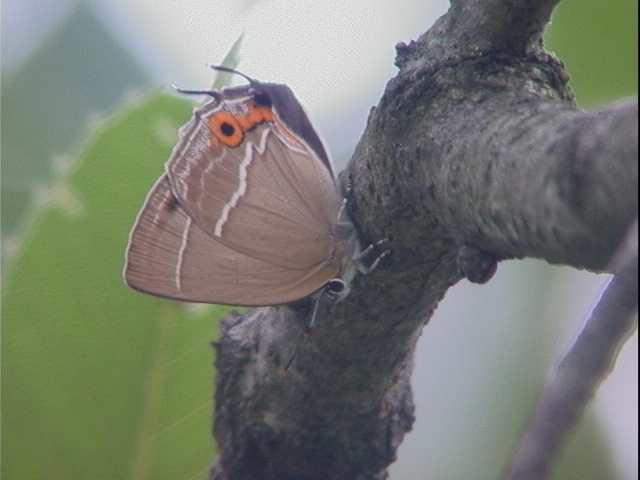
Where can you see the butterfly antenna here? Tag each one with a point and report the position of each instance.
(212, 93)
(307, 330)
(222, 68)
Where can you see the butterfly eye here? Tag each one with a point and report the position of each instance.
(337, 286)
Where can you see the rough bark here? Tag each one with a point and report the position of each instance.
(476, 141)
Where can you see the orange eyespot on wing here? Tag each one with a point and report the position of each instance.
(229, 129)
(226, 129)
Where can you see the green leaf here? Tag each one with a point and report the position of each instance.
(100, 381)
(231, 60)
(81, 70)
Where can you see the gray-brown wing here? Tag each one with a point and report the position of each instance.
(269, 198)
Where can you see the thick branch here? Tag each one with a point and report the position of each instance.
(504, 162)
(474, 142)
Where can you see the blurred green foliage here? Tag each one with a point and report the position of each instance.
(598, 43)
(47, 109)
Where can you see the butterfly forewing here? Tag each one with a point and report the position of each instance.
(266, 198)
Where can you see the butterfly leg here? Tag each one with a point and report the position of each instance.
(325, 296)
(359, 258)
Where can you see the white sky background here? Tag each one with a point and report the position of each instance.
(320, 48)
(337, 56)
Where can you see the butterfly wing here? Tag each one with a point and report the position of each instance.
(169, 255)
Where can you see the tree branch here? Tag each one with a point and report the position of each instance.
(476, 142)
(585, 365)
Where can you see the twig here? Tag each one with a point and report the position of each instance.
(585, 365)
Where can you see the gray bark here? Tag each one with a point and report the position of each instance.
(477, 141)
